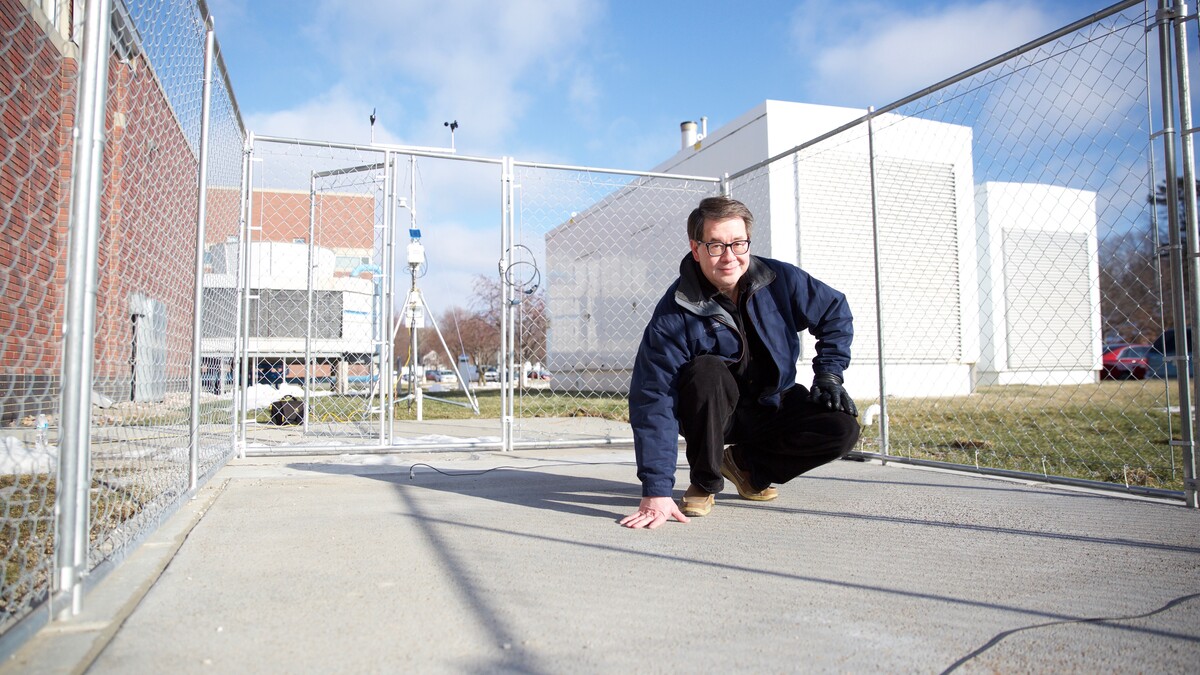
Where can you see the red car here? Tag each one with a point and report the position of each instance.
(1125, 362)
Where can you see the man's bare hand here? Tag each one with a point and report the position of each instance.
(652, 512)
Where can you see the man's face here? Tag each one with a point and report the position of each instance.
(724, 270)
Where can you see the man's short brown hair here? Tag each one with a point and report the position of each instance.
(717, 208)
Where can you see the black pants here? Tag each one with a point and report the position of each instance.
(776, 445)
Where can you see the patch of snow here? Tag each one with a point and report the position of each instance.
(16, 458)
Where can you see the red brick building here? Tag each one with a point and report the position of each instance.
(37, 78)
(148, 217)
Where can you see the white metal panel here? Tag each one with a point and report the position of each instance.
(1047, 293)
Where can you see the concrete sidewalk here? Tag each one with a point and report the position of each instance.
(515, 563)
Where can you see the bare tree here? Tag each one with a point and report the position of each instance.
(1133, 285)
(532, 319)
(475, 337)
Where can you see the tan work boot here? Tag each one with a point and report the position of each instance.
(696, 502)
(741, 479)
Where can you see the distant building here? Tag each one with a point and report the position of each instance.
(814, 210)
(340, 335)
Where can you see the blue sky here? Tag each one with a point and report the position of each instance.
(591, 82)
(602, 83)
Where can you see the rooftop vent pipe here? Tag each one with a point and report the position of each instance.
(688, 130)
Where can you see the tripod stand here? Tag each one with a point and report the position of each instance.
(415, 311)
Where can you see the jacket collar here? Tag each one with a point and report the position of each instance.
(698, 296)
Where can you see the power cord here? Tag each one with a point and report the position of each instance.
(996, 640)
(528, 283)
(455, 474)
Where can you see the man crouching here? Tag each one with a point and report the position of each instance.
(717, 365)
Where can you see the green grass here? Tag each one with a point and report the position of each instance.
(1112, 431)
(530, 403)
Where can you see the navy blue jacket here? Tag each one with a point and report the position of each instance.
(783, 300)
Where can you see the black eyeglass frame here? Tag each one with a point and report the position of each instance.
(720, 246)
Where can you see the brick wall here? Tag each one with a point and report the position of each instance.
(36, 113)
(344, 220)
(148, 232)
(148, 216)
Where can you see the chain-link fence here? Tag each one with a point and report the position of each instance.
(1002, 238)
(998, 242)
(371, 279)
(145, 441)
(592, 253)
(334, 229)
(38, 83)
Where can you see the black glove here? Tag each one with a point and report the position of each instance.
(827, 390)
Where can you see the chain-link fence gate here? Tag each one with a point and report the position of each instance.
(337, 312)
(997, 238)
(344, 243)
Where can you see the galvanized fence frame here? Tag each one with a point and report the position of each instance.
(888, 167)
(155, 165)
(527, 402)
(119, 470)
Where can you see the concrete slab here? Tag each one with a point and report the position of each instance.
(489, 562)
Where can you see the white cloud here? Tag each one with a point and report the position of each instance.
(335, 115)
(457, 253)
(883, 53)
(471, 60)
(584, 94)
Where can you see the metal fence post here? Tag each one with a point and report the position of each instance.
(310, 306)
(883, 407)
(1193, 231)
(238, 390)
(387, 387)
(244, 287)
(79, 329)
(506, 357)
(1175, 249)
(198, 298)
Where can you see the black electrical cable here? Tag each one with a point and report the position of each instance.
(1104, 619)
(527, 286)
(455, 474)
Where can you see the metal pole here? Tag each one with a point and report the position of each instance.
(1193, 232)
(392, 324)
(247, 268)
(198, 298)
(414, 355)
(309, 309)
(883, 412)
(79, 323)
(386, 263)
(239, 385)
(1175, 248)
(506, 392)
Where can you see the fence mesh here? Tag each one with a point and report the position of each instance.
(347, 323)
(1010, 219)
(593, 253)
(139, 434)
(317, 278)
(999, 239)
(38, 85)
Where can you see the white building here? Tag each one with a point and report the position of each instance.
(344, 323)
(814, 209)
(1039, 284)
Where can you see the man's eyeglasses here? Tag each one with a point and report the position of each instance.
(717, 248)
